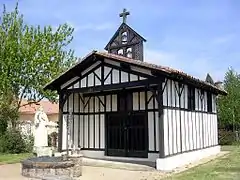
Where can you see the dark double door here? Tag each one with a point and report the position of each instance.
(127, 133)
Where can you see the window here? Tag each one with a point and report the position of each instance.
(209, 102)
(124, 38)
(191, 98)
(129, 52)
(120, 52)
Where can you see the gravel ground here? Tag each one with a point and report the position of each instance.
(13, 172)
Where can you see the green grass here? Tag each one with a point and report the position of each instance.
(226, 167)
(13, 158)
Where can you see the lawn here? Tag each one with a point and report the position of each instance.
(226, 167)
(13, 158)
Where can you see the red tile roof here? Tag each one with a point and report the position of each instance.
(167, 70)
(48, 107)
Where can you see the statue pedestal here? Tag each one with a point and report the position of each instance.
(43, 151)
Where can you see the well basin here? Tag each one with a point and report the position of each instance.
(39, 167)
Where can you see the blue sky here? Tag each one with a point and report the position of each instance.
(198, 37)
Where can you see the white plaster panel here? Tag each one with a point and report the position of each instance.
(183, 131)
(182, 99)
(190, 131)
(65, 106)
(173, 94)
(64, 132)
(86, 101)
(102, 133)
(98, 72)
(101, 106)
(83, 82)
(76, 85)
(133, 77)
(157, 131)
(135, 101)
(81, 104)
(115, 76)
(90, 80)
(165, 93)
(150, 104)
(171, 144)
(178, 130)
(186, 96)
(114, 102)
(91, 129)
(97, 81)
(81, 131)
(186, 130)
(91, 104)
(141, 70)
(150, 131)
(142, 101)
(169, 97)
(166, 138)
(142, 78)
(106, 71)
(108, 80)
(108, 103)
(96, 131)
(70, 103)
(174, 127)
(76, 120)
(197, 130)
(194, 130)
(124, 77)
(176, 90)
(86, 124)
(76, 102)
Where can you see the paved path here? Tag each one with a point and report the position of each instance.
(13, 172)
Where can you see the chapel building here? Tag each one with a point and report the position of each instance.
(123, 107)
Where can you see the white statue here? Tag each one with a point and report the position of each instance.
(41, 133)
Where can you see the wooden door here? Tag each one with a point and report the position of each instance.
(126, 134)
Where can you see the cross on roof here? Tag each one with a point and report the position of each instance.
(124, 15)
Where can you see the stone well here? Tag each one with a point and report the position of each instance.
(39, 167)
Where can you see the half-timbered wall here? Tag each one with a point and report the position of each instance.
(88, 121)
(186, 129)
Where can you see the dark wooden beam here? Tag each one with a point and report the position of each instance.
(60, 122)
(127, 69)
(160, 118)
(111, 87)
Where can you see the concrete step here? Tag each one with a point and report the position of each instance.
(119, 164)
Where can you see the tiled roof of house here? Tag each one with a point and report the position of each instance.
(48, 107)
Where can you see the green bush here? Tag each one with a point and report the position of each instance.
(226, 137)
(12, 142)
(29, 142)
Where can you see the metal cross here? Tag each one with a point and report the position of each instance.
(124, 15)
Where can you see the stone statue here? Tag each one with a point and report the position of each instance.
(41, 133)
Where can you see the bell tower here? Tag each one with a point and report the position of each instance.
(126, 42)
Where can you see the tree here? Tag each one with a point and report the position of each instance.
(30, 57)
(228, 106)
